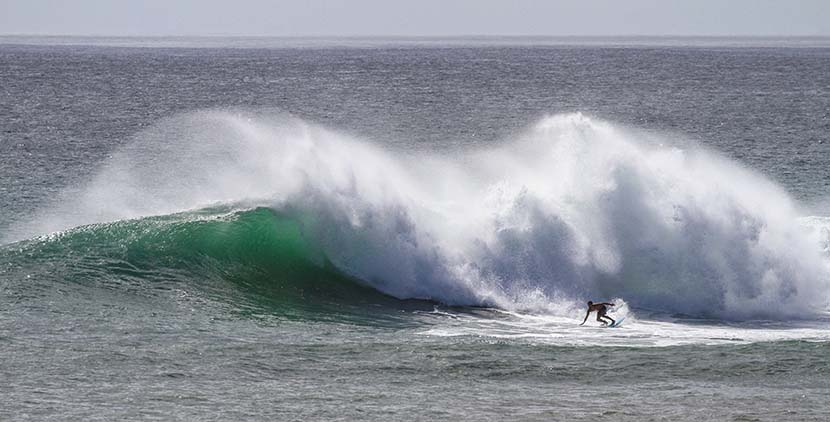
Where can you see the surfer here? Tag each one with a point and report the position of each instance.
(602, 309)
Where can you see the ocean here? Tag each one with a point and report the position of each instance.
(409, 229)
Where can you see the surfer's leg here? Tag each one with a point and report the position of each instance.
(599, 318)
(612, 319)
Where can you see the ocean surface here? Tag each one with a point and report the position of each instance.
(409, 229)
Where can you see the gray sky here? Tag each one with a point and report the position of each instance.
(415, 17)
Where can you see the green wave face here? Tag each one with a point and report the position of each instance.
(251, 259)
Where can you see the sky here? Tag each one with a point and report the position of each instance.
(415, 17)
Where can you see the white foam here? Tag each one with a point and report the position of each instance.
(633, 332)
(574, 209)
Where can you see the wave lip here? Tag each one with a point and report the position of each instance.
(574, 209)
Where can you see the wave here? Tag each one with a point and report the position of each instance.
(574, 209)
(252, 259)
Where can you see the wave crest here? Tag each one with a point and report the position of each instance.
(574, 209)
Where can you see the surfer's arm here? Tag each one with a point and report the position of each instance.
(586, 317)
(606, 303)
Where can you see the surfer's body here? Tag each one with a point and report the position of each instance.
(601, 310)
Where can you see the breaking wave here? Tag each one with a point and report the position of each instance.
(575, 208)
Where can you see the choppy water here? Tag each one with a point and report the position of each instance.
(408, 229)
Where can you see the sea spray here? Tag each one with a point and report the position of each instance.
(575, 208)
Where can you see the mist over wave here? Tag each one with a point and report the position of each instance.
(574, 209)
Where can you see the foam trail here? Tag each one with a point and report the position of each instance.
(576, 208)
(563, 331)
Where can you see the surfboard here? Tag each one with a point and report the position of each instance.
(617, 323)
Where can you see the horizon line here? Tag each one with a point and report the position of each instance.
(437, 36)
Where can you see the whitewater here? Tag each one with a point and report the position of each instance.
(573, 208)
